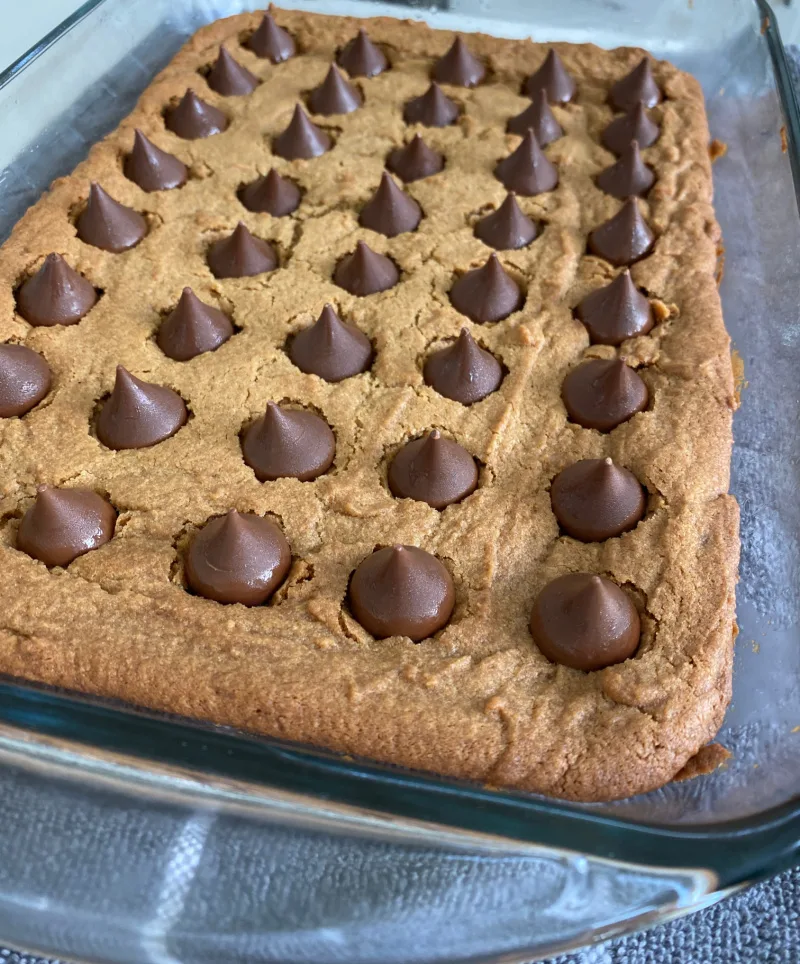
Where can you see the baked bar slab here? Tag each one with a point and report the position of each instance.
(477, 701)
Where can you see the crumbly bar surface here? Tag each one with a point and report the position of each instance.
(478, 700)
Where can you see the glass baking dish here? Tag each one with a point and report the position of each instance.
(128, 837)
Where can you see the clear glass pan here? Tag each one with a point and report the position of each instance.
(129, 837)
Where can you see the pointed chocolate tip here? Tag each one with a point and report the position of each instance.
(594, 500)
(192, 118)
(271, 42)
(241, 255)
(302, 139)
(458, 66)
(365, 272)
(238, 558)
(390, 211)
(415, 161)
(335, 95)
(506, 228)
(602, 394)
(361, 58)
(25, 379)
(527, 170)
(288, 443)
(109, 225)
(330, 348)
(193, 328)
(487, 293)
(585, 621)
(63, 524)
(636, 87)
(151, 168)
(553, 78)
(629, 176)
(615, 312)
(431, 109)
(401, 591)
(55, 295)
(624, 238)
(139, 414)
(229, 78)
(537, 117)
(636, 125)
(271, 194)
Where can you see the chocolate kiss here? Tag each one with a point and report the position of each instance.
(616, 312)
(595, 500)
(365, 272)
(602, 394)
(433, 108)
(63, 524)
(55, 295)
(238, 558)
(192, 118)
(241, 255)
(552, 76)
(229, 78)
(507, 227)
(302, 138)
(271, 194)
(463, 371)
(459, 67)
(109, 225)
(151, 168)
(25, 379)
(634, 126)
(287, 443)
(624, 238)
(486, 293)
(630, 176)
(193, 328)
(585, 621)
(415, 160)
(138, 414)
(637, 87)
(271, 41)
(433, 469)
(539, 118)
(401, 591)
(527, 170)
(361, 58)
(330, 348)
(335, 95)
(390, 210)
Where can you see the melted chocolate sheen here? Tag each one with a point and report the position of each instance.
(153, 169)
(238, 558)
(193, 328)
(585, 621)
(139, 414)
(25, 379)
(55, 295)
(602, 394)
(401, 591)
(330, 348)
(63, 524)
(288, 443)
(487, 293)
(433, 469)
(365, 272)
(463, 371)
(594, 499)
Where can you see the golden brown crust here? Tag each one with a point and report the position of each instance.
(479, 701)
